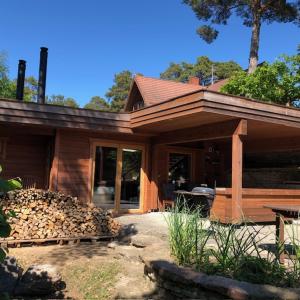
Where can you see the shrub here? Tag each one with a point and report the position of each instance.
(6, 186)
(278, 82)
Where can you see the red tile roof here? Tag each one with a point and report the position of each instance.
(155, 90)
(217, 86)
(158, 90)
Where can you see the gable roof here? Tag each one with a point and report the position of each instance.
(216, 87)
(154, 91)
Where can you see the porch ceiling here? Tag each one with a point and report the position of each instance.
(263, 130)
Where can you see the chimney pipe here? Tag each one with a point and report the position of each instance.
(21, 80)
(42, 75)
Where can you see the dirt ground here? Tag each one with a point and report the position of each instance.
(120, 263)
(116, 267)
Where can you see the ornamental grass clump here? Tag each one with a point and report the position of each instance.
(187, 234)
(234, 251)
(294, 254)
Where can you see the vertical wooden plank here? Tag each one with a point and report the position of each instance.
(237, 171)
(47, 164)
(118, 180)
(146, 200)
(54, 172)
(154, 177)
(91, 171)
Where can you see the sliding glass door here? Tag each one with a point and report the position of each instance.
(117, 177)
(105, 177)
(131, 178)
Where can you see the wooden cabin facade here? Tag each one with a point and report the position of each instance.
(170, 133)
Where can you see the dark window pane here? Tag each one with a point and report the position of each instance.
(131, 175)
(180, 170)
(105, 176)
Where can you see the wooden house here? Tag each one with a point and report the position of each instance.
(169, 133)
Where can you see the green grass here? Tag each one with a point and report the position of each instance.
(92, 281)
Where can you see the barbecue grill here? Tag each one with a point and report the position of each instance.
(204, 197)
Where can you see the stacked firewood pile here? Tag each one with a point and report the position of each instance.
(44, 215)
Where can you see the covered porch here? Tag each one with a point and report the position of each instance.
(250, 160)
(246, 171)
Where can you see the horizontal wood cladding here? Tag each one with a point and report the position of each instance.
(27, 157)
(62, 117)
(178, 108)
(73, 170)
(220, 209)
(215, 103)
(253, 202)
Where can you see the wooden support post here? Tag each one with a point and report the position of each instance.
(154, 178)
(237, 171)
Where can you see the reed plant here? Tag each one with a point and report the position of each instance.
(294, 253)
(187, 233)
(233, 251)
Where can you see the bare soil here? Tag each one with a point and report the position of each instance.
(106, 270)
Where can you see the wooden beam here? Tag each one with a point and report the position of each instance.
(241, 128)
(237, 171)
(205, 132)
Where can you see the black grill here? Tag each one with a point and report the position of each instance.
(204, 201)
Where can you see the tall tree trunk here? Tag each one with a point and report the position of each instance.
(253, 58)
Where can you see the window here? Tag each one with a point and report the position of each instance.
(138, 105)
(180, 170)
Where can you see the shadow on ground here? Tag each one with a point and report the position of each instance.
(270, 247)
(59, 255)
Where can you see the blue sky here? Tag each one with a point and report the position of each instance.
(91, 40)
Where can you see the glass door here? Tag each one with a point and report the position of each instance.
(131, 178)
(105, 177)
(117, 177)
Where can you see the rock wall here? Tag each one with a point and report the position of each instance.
(184, 283)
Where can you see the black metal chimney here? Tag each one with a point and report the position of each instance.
(42, 75)
(21, 80)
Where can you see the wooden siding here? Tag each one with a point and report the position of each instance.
(46, 115)
(253, 201)
(27, 157)
(72, 169)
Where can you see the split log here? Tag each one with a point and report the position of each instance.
(45, 214)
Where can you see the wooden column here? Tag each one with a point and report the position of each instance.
(53, 180)
(237, 171)
(154, 177)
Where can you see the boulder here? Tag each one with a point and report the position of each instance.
(10, 272)
(40, 280)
